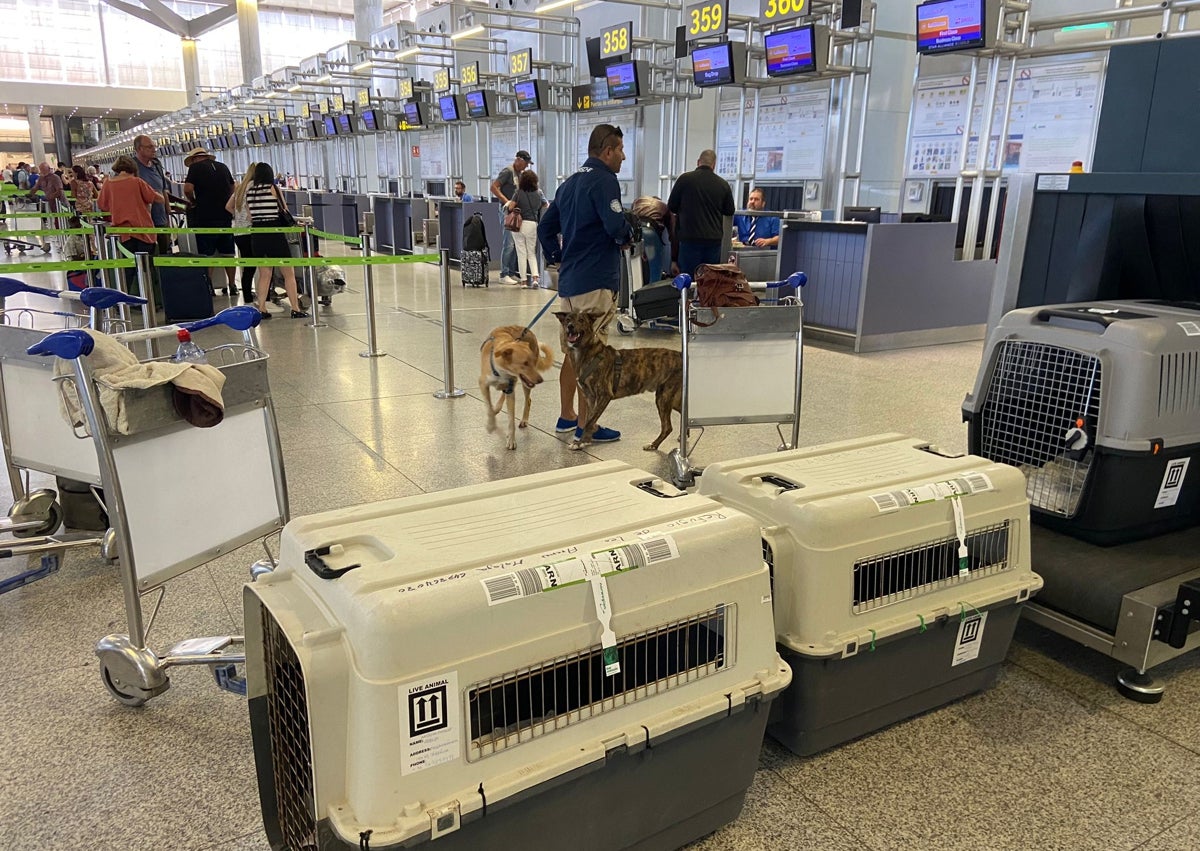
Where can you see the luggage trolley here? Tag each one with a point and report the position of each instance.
(766, 341)
(33, 433)
(155, 474)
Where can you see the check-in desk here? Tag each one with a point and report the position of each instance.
(453, 214)
(381, 206)
(759, 264)
(353, 206)
(886, 286)
(321, 203)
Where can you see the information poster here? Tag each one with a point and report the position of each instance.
(626, 119)
(433, 155)
(789, 140)
(504, 147)
(1052, 119)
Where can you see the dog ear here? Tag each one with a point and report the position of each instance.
(560, 316)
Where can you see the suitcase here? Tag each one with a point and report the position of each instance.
(657, 301)
(473, 266)
(423, 676)
(186, 292)
(878, 612)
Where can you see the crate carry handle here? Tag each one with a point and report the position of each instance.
(1104, 319)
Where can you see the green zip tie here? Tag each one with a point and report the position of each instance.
(64, 266)
(962, 611)
(872, 647)
(923, 628)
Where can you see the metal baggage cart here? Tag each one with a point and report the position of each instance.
(171, 509)
(766, 342)
(32, 432)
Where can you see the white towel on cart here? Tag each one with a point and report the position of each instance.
(197, 387)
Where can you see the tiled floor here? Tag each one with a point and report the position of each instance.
(1050, 758)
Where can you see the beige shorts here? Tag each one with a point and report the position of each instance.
(602, 303)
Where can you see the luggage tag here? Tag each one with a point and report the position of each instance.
(960, 529)
(608, 639)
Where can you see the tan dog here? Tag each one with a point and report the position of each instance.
(605, 374)
(509, 355)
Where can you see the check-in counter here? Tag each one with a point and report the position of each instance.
(381, 206)
(353, 206)
(759, 264)
(886, 286)
(453, 214)
(402, 225)
(321, 205)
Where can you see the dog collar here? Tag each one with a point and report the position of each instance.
(506, 389)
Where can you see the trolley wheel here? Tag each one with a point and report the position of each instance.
(108, 546)
(1142, 688)
(626, 324)
(46, 249)
(115, 686)
(39, 505)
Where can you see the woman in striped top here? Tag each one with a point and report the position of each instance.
(265, 203)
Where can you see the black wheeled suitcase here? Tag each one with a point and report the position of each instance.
(657, 301)
(473, 265)
(186, 292)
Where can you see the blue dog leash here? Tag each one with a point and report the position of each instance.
(540, 314)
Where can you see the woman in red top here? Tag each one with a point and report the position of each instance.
(127, 198)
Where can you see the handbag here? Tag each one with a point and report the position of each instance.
(286, 219)
(513, 219)
(722, 285)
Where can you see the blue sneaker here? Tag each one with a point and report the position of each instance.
(602, 435)
(564, 426)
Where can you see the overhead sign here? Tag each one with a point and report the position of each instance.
(772, 11)
(323, 106)
(305, 110)
(441, 80)
(705, 19)
(339, 103)
(616, 40)
(521, 62)
(468, 75)
(363, 97)
(280, 115)
(405, 89)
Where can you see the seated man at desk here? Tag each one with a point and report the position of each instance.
(757, 231)
(460, 191)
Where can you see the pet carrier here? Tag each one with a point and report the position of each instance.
(1099, 405)
(492, 669)
(898, 576)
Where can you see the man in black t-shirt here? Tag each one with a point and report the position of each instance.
(207, 187)
(699, 203)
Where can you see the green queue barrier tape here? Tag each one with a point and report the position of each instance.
(234, 231)
(349, 240)
(64, 266)
(125, 251)
(17, 234)
(255, 262)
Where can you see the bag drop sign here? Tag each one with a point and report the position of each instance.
(429, 722)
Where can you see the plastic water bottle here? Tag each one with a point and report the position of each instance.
(188, 352)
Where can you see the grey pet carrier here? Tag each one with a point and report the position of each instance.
(1099, 405)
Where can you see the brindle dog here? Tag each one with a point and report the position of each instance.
(605, 374)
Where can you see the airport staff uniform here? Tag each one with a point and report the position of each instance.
(750, 228)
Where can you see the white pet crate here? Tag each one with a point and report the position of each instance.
(1099, 405)
(578, 659)
(880, 612)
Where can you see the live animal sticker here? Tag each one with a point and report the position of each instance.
(970, 638)
(429, 722)
(1172, 483)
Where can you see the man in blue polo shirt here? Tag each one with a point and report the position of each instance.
(588, 216)
(757, 231)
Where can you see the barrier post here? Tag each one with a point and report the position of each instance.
(448, 391)
(366, 227)
(144, 265)
(310, 272)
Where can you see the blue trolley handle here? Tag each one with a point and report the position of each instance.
(102, 298)
(795, 280)
(11, 286)
(241, 318)
(68, 345)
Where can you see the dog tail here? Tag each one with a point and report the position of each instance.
(547, 357)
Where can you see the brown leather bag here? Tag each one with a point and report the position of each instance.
(722, 285)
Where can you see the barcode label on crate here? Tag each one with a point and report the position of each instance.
(965, 485)
(1192, 329)
(529, 581)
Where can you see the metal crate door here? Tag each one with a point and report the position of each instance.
(1038, 393)
(743, 368)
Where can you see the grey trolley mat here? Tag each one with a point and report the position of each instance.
(1089, 582)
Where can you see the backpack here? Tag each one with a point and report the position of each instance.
(474, 234)
(722, 285)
